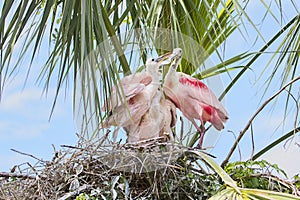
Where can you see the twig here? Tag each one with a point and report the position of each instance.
(26, 154)
(296, 117)
(72, 147)
(242, 133)
(181, 130)
(238, 146)
(252, 142)
(15, 175)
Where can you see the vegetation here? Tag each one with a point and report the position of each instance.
(95, 43)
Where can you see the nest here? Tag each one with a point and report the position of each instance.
(152, 169)
(156, 171)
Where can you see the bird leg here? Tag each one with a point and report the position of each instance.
(201, 131)
(199, 146)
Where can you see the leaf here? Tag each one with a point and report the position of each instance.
(264, 48)
(78, 169)
(74, 185)
(226, 194)
(113, 185)
(224, 176)
(267, 194)
(251, 194)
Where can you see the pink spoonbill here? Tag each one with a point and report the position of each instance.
(193, 98)
(133, 96)
(156, 122)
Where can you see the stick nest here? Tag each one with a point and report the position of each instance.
(159, 171)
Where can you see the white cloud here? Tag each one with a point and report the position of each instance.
(287, 157)
(21, 129)
(24, 112)
(18, 101)
(268, 124)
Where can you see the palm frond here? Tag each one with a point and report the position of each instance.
(251, 194)
(291, 23)
(276, 142)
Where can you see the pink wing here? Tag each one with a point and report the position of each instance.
(141, 77)
(199, 91)
(131, 85)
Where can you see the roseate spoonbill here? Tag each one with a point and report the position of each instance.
(169, 111)
(157, 121)
(138, 91)
(193, 98)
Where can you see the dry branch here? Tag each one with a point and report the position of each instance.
(81, 169)
(15, 175)
(242, 133)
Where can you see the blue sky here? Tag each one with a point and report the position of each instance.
(24, 111)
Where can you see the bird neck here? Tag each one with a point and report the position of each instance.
(155, 74)
(171, 74)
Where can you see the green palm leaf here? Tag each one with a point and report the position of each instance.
(91, 29)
